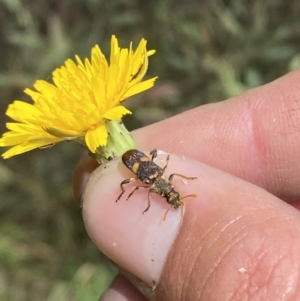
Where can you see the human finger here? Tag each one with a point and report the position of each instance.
(122, 289)
(235, 240)
(254, 136)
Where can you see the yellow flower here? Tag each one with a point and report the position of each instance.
(83, 103)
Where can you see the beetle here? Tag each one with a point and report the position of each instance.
(149, 173)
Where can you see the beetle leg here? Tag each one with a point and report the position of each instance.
(154, 154)
(134, 190)
(149, 199)
(127, 181)
(182, 176)
(167, 162)
(165, 215)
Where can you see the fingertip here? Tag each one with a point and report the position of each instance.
(122, 289)
(81, 175)
(137, 242)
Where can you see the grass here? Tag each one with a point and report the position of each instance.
(207, 51)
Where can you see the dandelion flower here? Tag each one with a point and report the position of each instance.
(83, 103)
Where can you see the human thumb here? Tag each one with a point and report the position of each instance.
(234, 241)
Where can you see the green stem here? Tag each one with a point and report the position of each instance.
(118, 142)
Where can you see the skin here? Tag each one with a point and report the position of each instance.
(241, 239)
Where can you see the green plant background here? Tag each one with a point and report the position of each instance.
(207, 51)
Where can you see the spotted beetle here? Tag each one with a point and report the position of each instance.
(149, 173)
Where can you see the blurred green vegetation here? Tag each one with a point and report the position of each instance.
(207, 51)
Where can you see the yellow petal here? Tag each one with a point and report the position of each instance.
(140, 87)
(62, 133)
(96, 137)
(116, 113)
(25, 147)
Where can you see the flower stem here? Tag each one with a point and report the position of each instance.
(119, 140)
